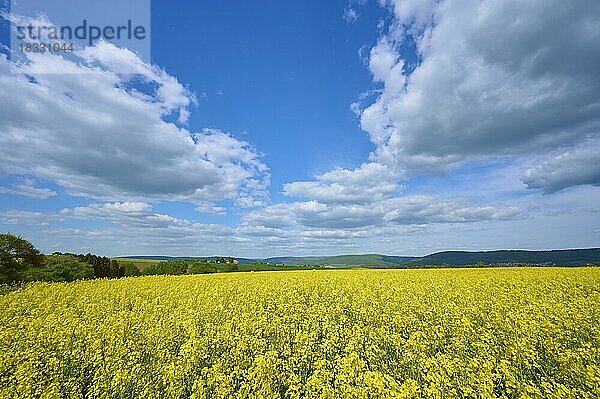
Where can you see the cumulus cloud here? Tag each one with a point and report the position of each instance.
(127, 216)
(110, 210)
(414, 14)
(407, 210)
(571, 167)
(137, 225)
(335, 234)
(262, 231)
(422, 209)
(370, 182)
(494, 78)
(171, 94)
(95, 132)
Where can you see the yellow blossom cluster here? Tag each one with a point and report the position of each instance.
(468, 333)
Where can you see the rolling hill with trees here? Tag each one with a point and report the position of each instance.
(566, 257)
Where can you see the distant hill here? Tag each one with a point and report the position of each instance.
(374, 260)
(567, 257)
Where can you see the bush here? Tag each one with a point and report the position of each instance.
(172, 267)
(231, 267)
(130, 269)
(200, 268)
(61, 268)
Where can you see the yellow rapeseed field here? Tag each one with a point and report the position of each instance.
(507, 333)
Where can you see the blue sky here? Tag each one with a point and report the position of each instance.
(287, 71)
(303, 128)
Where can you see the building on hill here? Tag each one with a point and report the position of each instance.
(225, 260)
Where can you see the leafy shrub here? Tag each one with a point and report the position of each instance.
(130, 269)
(231, 267)
(172, 267)
(61, 268)
(200, 268)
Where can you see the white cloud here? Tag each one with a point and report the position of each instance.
(416, 14)
(335, 234)
(135, 228)
(27, 187)
(262, 231)
(25, 218)
(494, 78)
(139, 215)
(170, 93)
(110, 210)
(210, 208)
(350, 15)
(422, 209)
(407, 210)
(89, 130)
(386, 66)
(132, 226)
(370, 182)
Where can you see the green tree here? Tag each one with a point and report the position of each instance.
(201, 267)
(231, 267)
(130, 269)
(16, 256)
(172, 267)
(103, 266)
(61, 268)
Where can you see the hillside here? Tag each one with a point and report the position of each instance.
(344, 260)
(568, 257)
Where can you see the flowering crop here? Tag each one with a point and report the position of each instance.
(478, 333)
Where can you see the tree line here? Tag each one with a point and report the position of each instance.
(21, 262)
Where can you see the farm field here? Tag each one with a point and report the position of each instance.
(141, 264)
(137, 261)
(453, 333)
